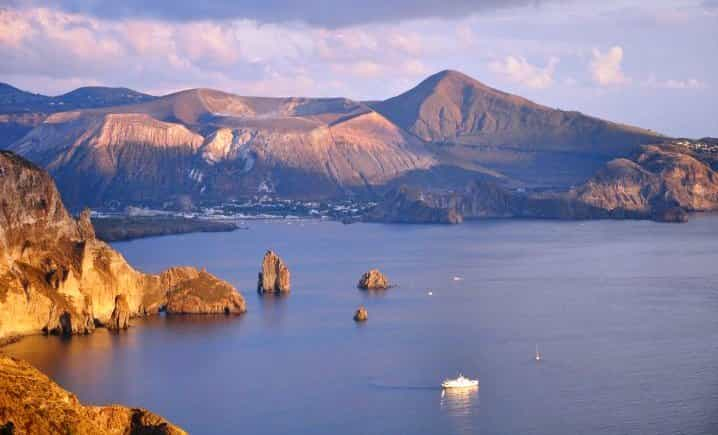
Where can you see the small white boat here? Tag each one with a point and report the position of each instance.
(458, 278)
(460, 382)
(538, 355)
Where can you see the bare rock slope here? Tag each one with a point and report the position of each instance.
(31, 403)
(55, 276)
(208, 144)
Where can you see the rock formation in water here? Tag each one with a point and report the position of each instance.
(31, 403)
(373, 280)
(120, 318)
(361, 314)
(274, 276)
(204, 294)
(55, 276)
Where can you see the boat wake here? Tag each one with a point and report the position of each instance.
(384, 386)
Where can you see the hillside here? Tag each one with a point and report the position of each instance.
(466, 121)
(21, 111)
(210, 145)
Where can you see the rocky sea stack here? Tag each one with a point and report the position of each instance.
(373, 280)
(274, 276)
(361, 314)
(120, 318)
(31, 403)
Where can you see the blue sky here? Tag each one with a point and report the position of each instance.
(648, 63)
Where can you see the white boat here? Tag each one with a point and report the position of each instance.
(460, 382)
(538, 355)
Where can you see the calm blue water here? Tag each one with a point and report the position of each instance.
(625, 314)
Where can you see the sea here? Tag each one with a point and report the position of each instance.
(623, 313)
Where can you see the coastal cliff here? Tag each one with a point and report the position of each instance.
(661, 183)
(31, 403)
(56, 277)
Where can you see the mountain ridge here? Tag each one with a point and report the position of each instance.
(231, 146)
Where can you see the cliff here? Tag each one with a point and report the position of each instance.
(56, 277)
(31, 403)
(656, 182)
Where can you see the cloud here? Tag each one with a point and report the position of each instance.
(691, 83)
(606, 68)
(50, 49)
(519, 70)
(324, 13)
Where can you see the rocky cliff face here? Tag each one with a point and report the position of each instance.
(410, 205)
(31, 403)
(656, 179)
(55, 276)
(274, 276)
(657, 182)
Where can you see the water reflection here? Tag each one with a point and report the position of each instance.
(461, 405)
(274, 305)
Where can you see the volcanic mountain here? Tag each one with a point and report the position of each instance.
(469, 123)
(20, 111)
(210, 145)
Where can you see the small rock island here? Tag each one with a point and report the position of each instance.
(361, 314)
(274, 276)
(373, 280)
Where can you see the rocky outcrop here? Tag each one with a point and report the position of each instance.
(204, 294)
(373, 280)
(658, 182)
(274, 276)
(653, 182)
(111, 229)
(408, 205)
(84, 225)
(31, 403)
(120, 318)
(361, 314)
(55, 276)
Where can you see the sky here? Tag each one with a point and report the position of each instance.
(645, 63)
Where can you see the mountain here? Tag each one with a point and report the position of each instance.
(99, 96)
(467, 121)
(12, 97)
(21, 111)
(14, 100)
(209, 145)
